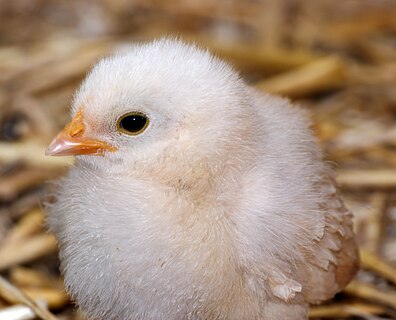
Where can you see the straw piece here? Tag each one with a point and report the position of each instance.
(324, 73)
(345, 310)
(261, 58)
(372, 178)
(375, 222)
(255, 57)
(26, 251)
(369, 292)
(26, 277)
(360, 25)
(13, 185)
(26, 202)
(55, 298)
(18, 312)
(376, 264)
(32, 154)
(63, 72)
(13, 294)
(30, 223)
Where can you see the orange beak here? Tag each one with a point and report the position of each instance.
(71, 141)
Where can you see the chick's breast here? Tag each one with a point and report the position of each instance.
(148, 254)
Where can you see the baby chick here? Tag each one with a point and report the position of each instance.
(194, 196)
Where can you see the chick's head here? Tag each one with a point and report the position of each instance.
(158, 109)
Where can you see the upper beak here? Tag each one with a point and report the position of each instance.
(71, 141)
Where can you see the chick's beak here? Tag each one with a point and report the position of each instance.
(71, 141)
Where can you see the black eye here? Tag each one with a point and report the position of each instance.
(132, 123)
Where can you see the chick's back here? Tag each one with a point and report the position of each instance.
(295, 229)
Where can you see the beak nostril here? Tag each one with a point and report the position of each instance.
(76, 128)
(76, 132)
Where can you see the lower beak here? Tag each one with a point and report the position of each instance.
(65, 146)
(71, 141)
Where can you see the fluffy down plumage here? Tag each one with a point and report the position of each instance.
(221, 209)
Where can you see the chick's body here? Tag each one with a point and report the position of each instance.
(221, 209)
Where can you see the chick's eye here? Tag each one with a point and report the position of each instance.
(132, 123)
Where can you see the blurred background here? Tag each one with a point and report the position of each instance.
(336, 58)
